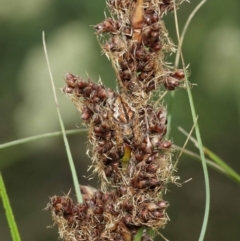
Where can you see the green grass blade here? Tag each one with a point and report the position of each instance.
(194, 116)
(9, 214)
(180, 40)
(230, 172)
(204, 165)
(211, 164)
(217, 160)
(38, 137)
(70, 159)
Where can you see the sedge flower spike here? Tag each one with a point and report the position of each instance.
(126, 129)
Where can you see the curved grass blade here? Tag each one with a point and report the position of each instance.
(194, 115)
(210, 163)
(230, 172)
(218, 161)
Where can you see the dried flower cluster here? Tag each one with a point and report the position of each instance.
(126, 129)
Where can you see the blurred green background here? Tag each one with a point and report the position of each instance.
(37, 170)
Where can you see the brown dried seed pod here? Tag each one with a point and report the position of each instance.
(166, 144)
(143, 76)
(162, 204)
(140, 184)
(123, 64)
(104, 126)
(87, 91)
(148, 67)
(107, 25)
(139, 155)
(155, 47)
(154, 183)
(162, 116)
(171, 83)
(70, 80)
(126, 75)
(81, 84)
(98, 210)
(102, 93)
(95, 99)
(157, 214)
(154, 18)
(131, 86)
(86, 113)
(147, 19)
(58, 208)
(151, 86)
(98, 130)
(154, 35)
(157, 128)
(152, 168)
(67, 90)
(179, 74)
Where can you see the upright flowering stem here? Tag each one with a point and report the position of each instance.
(126, 129)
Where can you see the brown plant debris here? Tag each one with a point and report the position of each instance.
(126, 129)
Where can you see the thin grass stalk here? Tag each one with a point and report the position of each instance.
(197, 130)
(204, 165)
(230, 172)
(218, 161)
(233, 176)
(70, 159)
(38, 137)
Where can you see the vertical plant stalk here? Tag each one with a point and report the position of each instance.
(193, 111)
(9, 214)
(70, 159)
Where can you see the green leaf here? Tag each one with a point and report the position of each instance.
(9, 214)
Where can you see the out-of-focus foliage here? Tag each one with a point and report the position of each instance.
(35, 171)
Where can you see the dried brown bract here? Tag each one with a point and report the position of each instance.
(126, 130)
